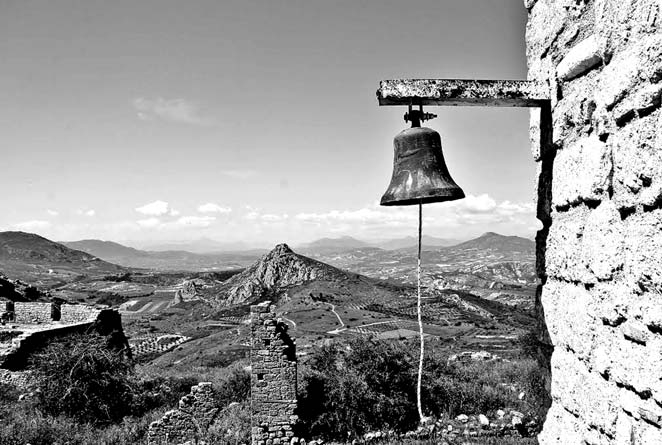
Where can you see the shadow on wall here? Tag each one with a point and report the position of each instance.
(546, 153)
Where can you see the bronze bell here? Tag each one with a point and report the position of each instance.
(420, 175)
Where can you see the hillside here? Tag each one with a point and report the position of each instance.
(332, 245)
(40, 261)
(283, 272)
(411, 242)
(106, 250)
(322, 302)
(497, 242)
(168, 260)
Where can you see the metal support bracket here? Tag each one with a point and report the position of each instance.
(454, 92)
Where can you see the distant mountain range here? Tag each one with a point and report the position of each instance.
(24, 255)
(201, 245)
(346, 243)
(166, 259)
(495, 241)
(38, 260)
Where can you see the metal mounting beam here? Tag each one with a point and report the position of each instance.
(453, 92)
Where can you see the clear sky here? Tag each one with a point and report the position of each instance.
(249, 120)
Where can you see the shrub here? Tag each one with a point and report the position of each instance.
(232, 426)
(348, 392)
(345, 391)
(236, 387)
(81, 377)
(160, 392)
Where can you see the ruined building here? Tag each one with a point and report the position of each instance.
(273, 378)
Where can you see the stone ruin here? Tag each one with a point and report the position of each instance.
(25, 325)
(40, 313)
(189, 422)
(273, 392)
(273, 378)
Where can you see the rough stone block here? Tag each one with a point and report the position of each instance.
(566, 304)
(583, 393)
(581, 58)
(561, 427)
(546, 22)
(641, 62)
(637, 152)
(573, 115)
(564, 259)
(643, 244)
(638, 104)
(628, 364)
(581, 172)
(603, 243)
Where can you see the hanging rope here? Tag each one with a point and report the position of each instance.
(420, 321)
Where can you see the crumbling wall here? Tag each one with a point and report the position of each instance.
(77, 313)
(599, 152)
(189, 422)
(42, 312)
(273, 378)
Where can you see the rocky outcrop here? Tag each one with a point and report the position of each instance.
(16, 290)
(188, 292)
(275, 272)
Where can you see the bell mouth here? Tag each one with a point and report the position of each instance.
(439, 195)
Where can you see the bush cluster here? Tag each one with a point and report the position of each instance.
(366, 385)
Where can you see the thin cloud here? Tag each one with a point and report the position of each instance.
(270, 217)
(90, 212)
(179, 111)
(157, 208)
(240, 173)
(33, 225)
(211, 207)
(149, 223)
(195, 221)
(179, 223)
(473, 210)
(52, 212)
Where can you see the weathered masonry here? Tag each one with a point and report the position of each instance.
(273, 378)
(190, 421)
(602, 264)
(595, 71)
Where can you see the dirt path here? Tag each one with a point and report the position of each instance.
(342, 323)
(294, 324)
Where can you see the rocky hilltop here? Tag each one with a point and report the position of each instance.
(279, 269)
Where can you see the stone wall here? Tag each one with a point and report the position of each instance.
(77, 313)
(33, 312)
(42, 312)
(273, 378)
(599, 154)
(189, 422)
